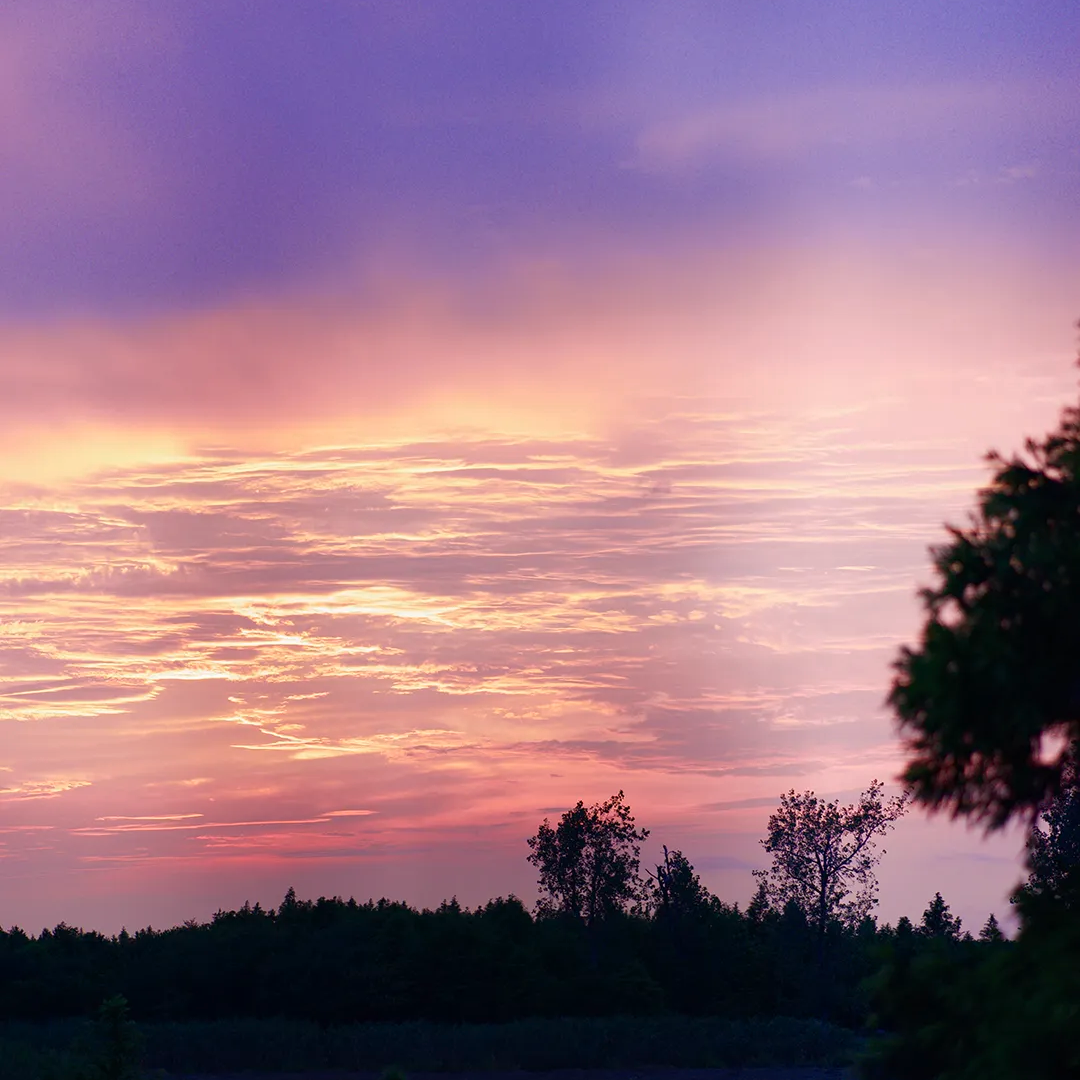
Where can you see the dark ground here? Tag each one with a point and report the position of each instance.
(561, 1074)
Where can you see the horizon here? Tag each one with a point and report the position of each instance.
(415, 421)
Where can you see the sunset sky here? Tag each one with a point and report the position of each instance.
(416, 417)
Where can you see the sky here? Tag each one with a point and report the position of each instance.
(417, 417)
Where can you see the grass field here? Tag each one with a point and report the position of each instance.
(63, 1050)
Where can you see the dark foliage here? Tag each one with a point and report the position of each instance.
(605, 945)
(589, 862)
(676, 891)
(334, 961)
(996, 672)
(939, 922)
(990, 704)
(823, 854)
(1053, 846)
(994, 1010)
(347, 982)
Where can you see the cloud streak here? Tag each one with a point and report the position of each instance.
(235, 646)
(411, 422)
(785, 126)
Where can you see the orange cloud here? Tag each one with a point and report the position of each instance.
(669, 543)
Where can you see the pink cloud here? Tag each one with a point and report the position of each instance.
(541, 353)
(331, 629)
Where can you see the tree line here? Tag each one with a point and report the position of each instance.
(988, 705)
(604, 939)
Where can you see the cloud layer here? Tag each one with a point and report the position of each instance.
(366, 656)
(414, 419)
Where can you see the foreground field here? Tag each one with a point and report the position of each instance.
(611, 1048)
(559, 1074)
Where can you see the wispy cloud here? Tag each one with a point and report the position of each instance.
(41, 789)
(710, 598)
(481, 436)
(784, 126)
(1005, 176)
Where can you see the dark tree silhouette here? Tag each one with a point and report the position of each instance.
(991, 931)
(589, 863)
(996, 671)
(824, 854)
(939, 922)
(676, 889)
(1053, 851)
(758, 907)
(989, 703)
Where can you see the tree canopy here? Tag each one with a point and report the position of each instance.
(1053, 845)
(938, 921)
(991, 931)
(824, 854)
(989, 703)
(676, 888)
(589, 863)
(990, 699)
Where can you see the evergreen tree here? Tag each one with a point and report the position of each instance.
(939, 922)
(989, 702)
(996, 669)
(758, 907)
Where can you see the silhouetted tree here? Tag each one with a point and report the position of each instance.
(991, 931)
(758, 907)
(334, 962)
(824, 854)
(1053, 851)
(939, 922)
(996, 669)
(989, 703)
(676, 890)
(589, 863)
(118, 1043)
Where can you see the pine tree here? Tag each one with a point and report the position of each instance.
(758, 907)
(939, 922)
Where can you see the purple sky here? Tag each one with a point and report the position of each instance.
(451, 411)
